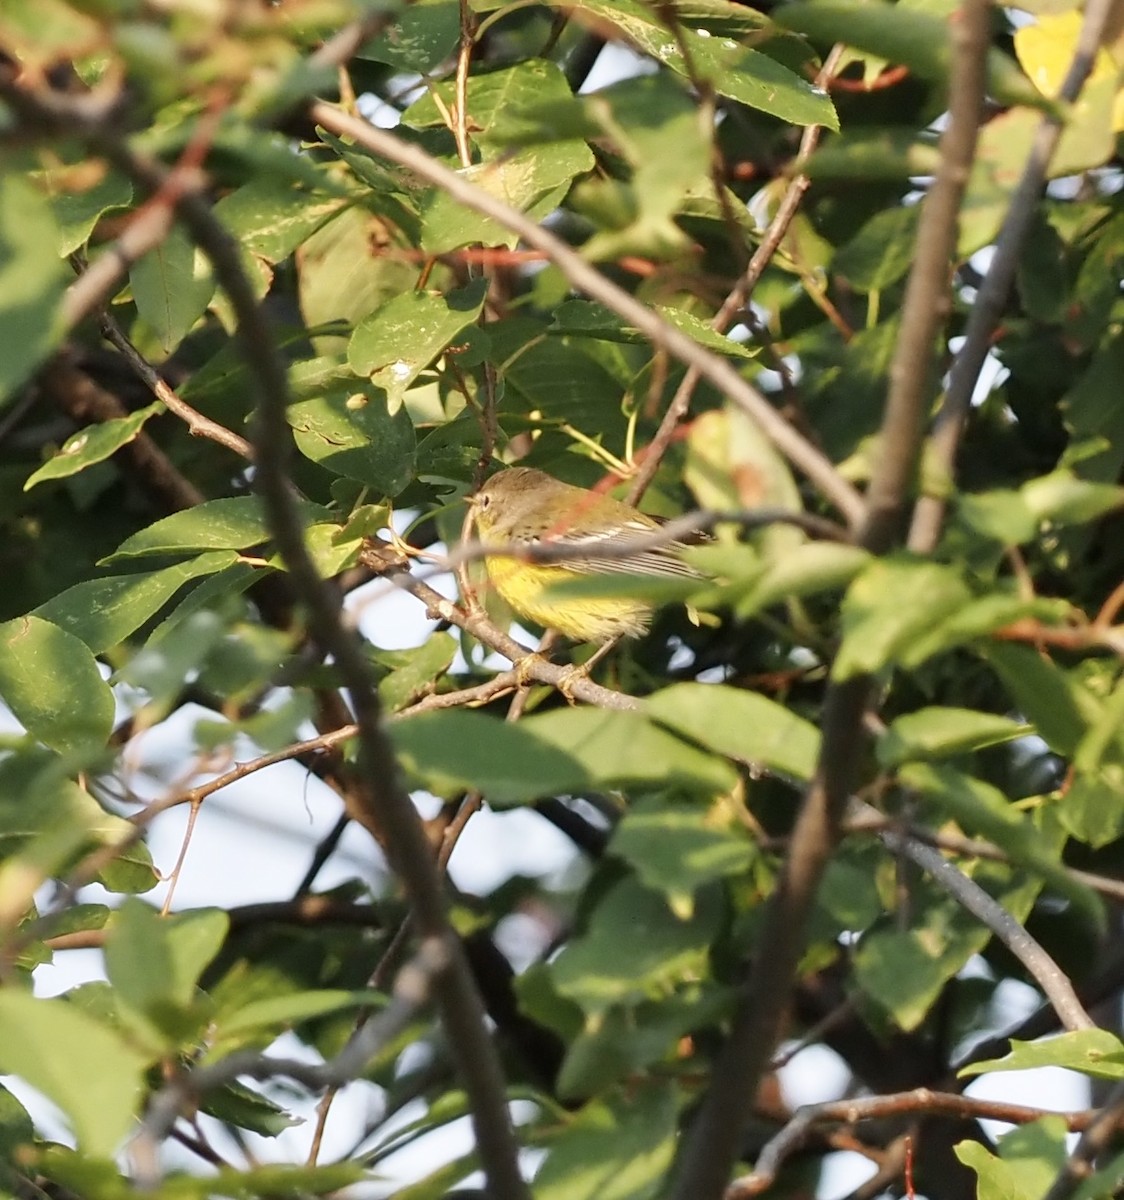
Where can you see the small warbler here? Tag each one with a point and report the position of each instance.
(521, 507)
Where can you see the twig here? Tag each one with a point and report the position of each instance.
(556, 549)
(460, 102)
(966, 892)
(325, 848)
(198, 425)
(955, 843)
(713, 1142)
(868, 1108)
(305, 910)
(987, 308)
(806, 457)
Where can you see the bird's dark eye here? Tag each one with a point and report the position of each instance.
(483, 500)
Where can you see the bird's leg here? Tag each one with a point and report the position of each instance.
(582, 670)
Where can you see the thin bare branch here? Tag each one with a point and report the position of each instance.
(197, 424)
(1039, 965)
(920, 1101)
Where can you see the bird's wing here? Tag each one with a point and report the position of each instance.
(609, 553)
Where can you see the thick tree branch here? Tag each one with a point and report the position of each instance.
(712, 1144)
(927, 296)
(381, 803)
(993, 291)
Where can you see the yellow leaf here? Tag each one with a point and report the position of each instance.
(1045, 50)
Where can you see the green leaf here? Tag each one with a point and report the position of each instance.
(288, 1179)
(874, 154)
(618, 1045)
(902, 973)
(351, 431)
(655, 125)
(1047, 695)
(787, 573)
(343, 275)
(944, 732)
(104, 612)
(1092, 808)
(172, 286)
(527, 103)
(398, 341)
(744, 726)
(17, 1135)
(47, 819)
(291, 1010)
(1003, 515)
(881, 252)
(1030, 1158)
(889, 606)
(411, 672)
(619, 1149)
(533, 181)
(676, 848)
(138, 961)
(1066, 500)
(51, 1045)
(620, 748)
(585, 318)
(244, 1108)
(92, 445)
(78, 212)
(193, 938)
(901, 612)
(745, 75)
(51, 682)
(1094, 1052)
(232, 523)
(421, 35)
(271, 218)
(636, 947)
(32, 281)
(454, 750)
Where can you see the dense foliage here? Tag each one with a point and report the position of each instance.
(859, 777)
